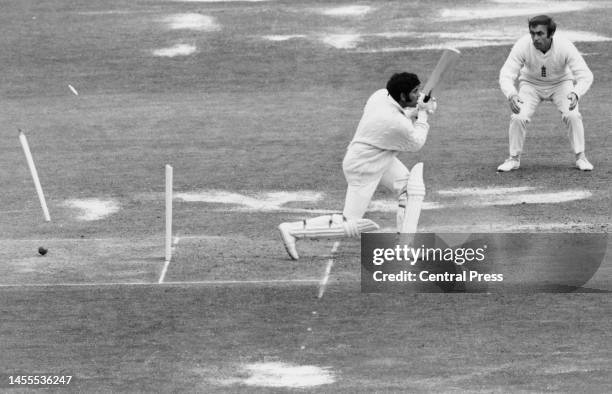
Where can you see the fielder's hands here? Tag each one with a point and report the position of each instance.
(573, 98)
(429, 106)
(515, 103)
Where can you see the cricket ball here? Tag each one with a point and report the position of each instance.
(42, 251)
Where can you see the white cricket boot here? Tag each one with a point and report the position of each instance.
(583, 164)
(511, 163)
(288, 240)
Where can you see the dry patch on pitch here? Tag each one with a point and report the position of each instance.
(91, 209)
(506, 9)
(280, 37)
(482, 197)
(490, 191)
(281, 375)
(347, 11)
(176, 50)
(193, 21)
(275, 201)
(268, 201)
(486, 197)
(501, 227)
(380, 42)
(342, 41)
(464, 39)
(338, 41)
(585, 36)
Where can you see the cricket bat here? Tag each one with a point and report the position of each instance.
(447, 60)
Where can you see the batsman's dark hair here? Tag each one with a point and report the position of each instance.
(402, 83)
(543, 20)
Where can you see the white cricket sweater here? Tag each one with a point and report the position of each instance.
(386, 125)
(562, 62)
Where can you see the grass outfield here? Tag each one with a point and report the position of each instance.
(195, 339)
(250, 117)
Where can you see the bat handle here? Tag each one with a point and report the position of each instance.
(427, 97)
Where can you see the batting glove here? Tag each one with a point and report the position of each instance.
(429, 106)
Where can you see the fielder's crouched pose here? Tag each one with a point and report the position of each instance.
(394, 120)
(546, 70)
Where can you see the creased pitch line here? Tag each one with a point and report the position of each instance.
(164, 270)
(58, 239)
(175, 242)
(16, 211)
(330, 263)
(190, 283)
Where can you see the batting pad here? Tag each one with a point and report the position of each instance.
(331, 226)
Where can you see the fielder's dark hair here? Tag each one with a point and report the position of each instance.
(402, 83)
(543, 20)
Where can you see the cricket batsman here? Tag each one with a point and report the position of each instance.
(549, 68)
(394, 120)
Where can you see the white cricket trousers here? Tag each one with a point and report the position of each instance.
(365, 167)
(532, 95)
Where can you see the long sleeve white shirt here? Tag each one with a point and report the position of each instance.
(562, 62)
(386, 125)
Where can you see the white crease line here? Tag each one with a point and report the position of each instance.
(243, 282)
(167, 262)
(479, 191)
(203, 283)
(163, 273)
(203, 236)
(57, 239)
(330, 264)
(16, 211)
(506, 228)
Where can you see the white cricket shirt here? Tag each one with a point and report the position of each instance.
(386, 125)
(562, 62)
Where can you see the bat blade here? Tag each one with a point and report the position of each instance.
(447, 60)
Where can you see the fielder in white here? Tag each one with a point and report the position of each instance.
(549, 68)
(394, 120)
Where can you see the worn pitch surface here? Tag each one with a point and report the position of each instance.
(253, 103)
